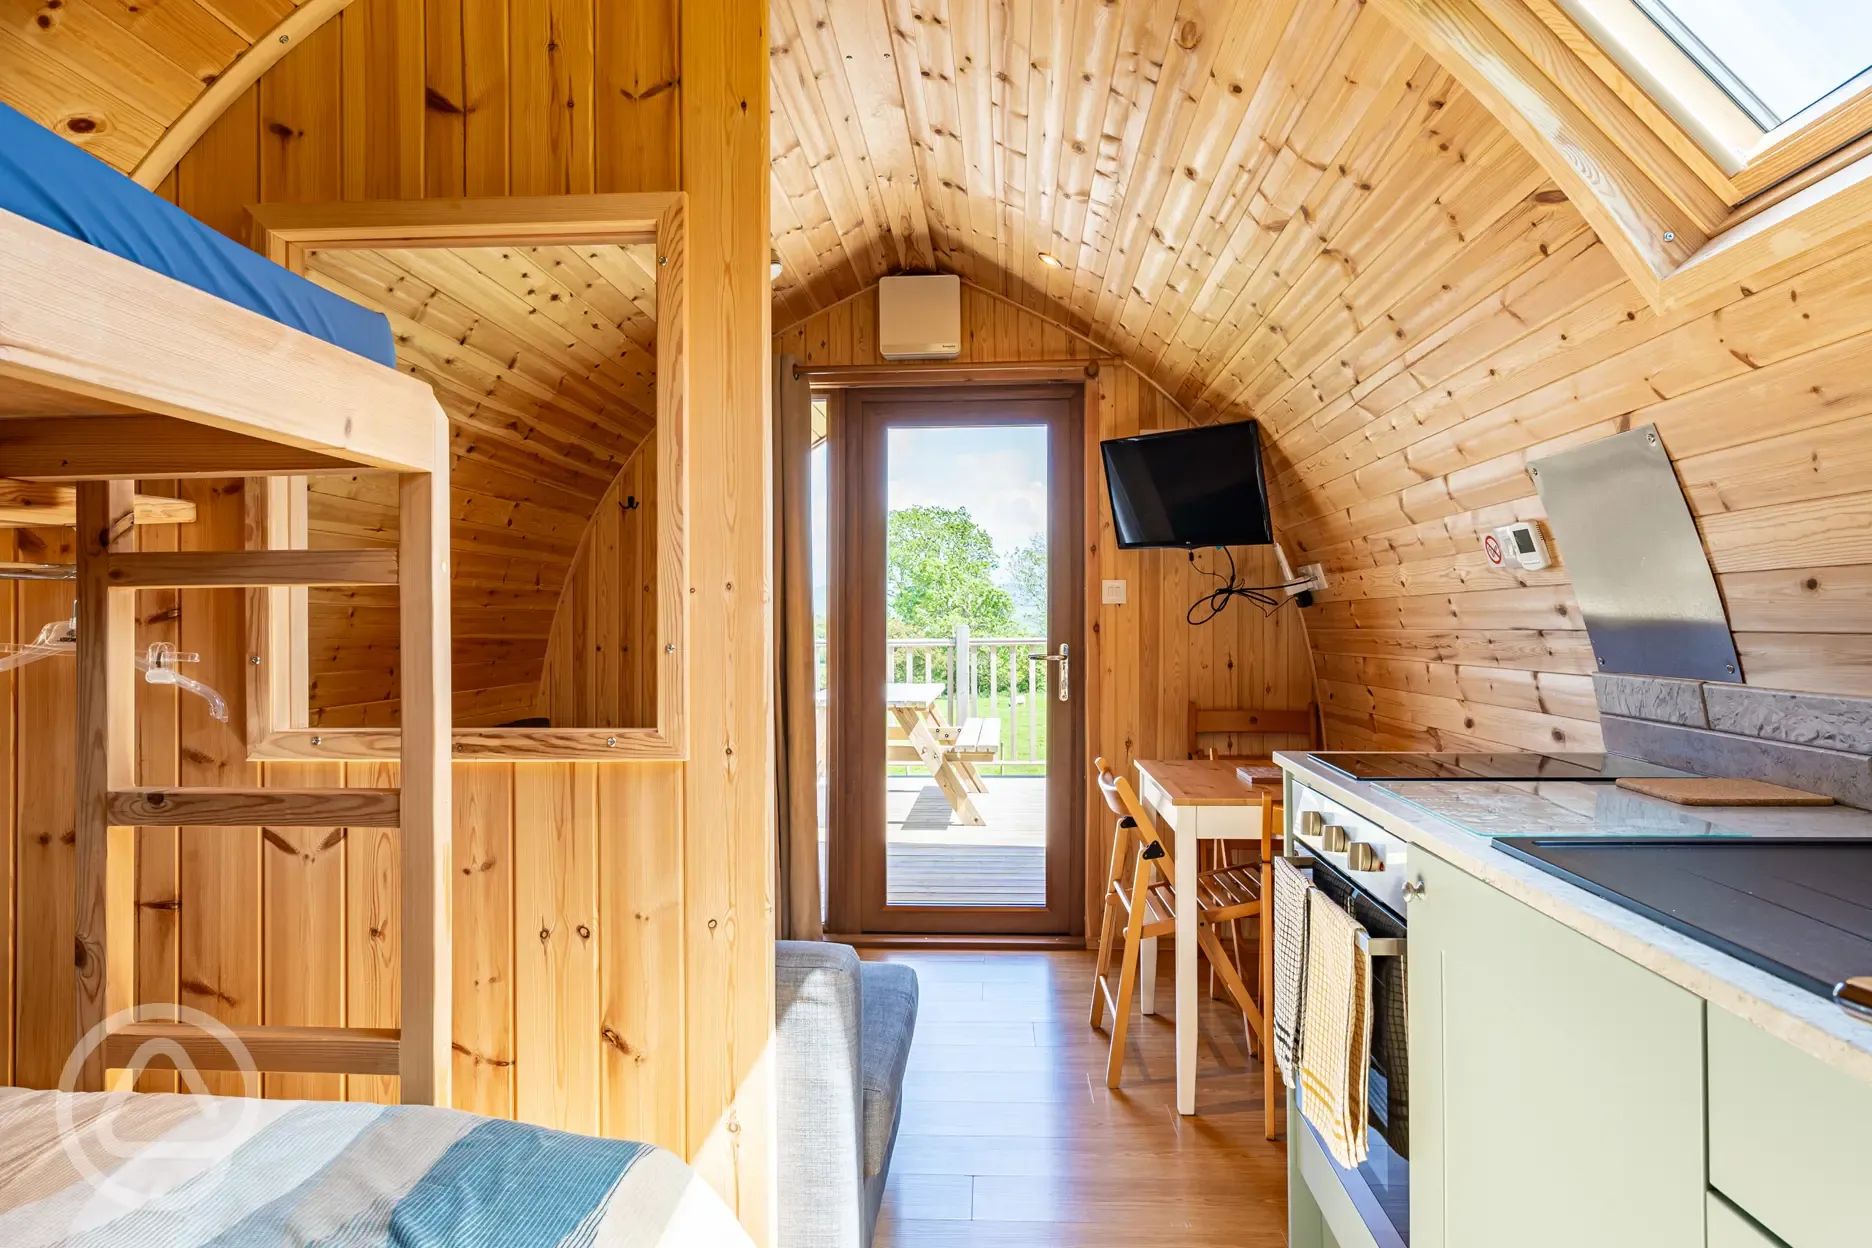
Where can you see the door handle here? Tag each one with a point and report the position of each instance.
(1064, 659)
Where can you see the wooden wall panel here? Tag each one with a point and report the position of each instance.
(600, 668)
(728, 873)
(1146, 663)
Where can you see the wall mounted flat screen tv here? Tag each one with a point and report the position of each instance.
(1189, 487)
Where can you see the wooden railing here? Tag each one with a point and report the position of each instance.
(982, 677)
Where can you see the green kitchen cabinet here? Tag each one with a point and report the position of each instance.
(1556, 1088)
(1790, 1137)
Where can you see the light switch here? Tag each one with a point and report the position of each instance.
(1114, 593)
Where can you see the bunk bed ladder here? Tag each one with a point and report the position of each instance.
(110, 805)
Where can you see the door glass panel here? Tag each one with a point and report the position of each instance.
(965, 606)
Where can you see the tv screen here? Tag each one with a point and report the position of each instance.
(1189, 487)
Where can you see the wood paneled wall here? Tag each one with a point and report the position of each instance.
(1146, 662)
(612, 921)
(600, 669)
(1403, 432)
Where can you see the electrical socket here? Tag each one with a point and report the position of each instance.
(1314, 575)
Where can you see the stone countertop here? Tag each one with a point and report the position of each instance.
(1435, 822)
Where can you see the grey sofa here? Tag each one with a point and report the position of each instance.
(844, 1039)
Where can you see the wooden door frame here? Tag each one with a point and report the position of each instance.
(856, 801)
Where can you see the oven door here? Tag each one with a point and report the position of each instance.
(1380, 1188)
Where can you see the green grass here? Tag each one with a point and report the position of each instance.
(1026, 762)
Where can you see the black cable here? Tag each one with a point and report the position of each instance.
(1217, 599)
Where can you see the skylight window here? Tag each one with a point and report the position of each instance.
(1774, 58)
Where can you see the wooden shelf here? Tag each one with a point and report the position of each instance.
(286, 808)
(42, 505)
(284, 1050)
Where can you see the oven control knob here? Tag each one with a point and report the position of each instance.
(1311, 821)
(1364, 856)
(1334, 839)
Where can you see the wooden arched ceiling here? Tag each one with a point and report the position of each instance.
(136, 82)
(1224, 185)
(544, 359)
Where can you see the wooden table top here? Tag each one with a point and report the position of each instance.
(918, 695)
(1208, 782)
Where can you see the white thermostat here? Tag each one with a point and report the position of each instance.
(1519, 543)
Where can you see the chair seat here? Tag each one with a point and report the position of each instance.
(1221, 895)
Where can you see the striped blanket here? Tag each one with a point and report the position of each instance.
(92, 1171)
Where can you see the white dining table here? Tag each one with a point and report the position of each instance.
(1199, 800)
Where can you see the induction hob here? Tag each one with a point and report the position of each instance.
(1363, 765)
(1800, 909)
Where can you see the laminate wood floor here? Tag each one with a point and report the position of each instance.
(1010, 1136)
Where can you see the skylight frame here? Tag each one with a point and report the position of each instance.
(1648, 44)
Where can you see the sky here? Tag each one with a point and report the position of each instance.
(1789, 52)
(998, 472)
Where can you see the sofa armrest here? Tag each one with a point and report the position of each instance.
(819, 1007)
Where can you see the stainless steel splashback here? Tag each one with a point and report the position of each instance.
(1643, 582)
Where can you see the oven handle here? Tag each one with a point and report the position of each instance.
(1374, 946)
(1381, 946)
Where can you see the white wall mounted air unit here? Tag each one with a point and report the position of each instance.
(920, 318)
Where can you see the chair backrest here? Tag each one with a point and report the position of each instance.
(1220, 720)
(1108, 786)
(1123, 799)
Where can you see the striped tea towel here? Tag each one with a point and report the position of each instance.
(1291, 886)
(1335, 1052)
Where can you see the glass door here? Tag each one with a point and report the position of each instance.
(964, 607)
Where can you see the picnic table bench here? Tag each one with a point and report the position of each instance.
(950, 752)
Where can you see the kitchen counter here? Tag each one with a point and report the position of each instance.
(1447, 819)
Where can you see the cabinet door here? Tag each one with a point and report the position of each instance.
(1729, 1229)
(1556, 1088)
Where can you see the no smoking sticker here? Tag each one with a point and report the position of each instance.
(1492, 549)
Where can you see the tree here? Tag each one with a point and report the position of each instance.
(939, 572)
(1027, 585)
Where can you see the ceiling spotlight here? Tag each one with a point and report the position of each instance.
(1051, 261)
(773, 266)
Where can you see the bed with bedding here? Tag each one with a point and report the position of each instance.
(52, 182)
(96, 1169)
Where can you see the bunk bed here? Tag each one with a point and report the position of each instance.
(138, 343)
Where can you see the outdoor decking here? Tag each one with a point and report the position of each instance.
(933, 860)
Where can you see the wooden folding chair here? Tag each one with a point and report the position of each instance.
(1237, 721)
(1148, 904)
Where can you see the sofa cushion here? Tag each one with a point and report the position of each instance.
(821, 1095)
(890, 1010)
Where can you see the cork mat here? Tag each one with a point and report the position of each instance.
(1718, 792)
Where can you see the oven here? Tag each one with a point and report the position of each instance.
(1361, 867)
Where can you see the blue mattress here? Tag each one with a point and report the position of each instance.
(46, 179)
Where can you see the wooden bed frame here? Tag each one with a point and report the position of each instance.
(108, 373)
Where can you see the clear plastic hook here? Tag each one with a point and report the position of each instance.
(159, 668)
(56, 638)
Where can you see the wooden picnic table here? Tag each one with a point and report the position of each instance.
(947, 751)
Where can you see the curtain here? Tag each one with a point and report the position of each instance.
(796, 770)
